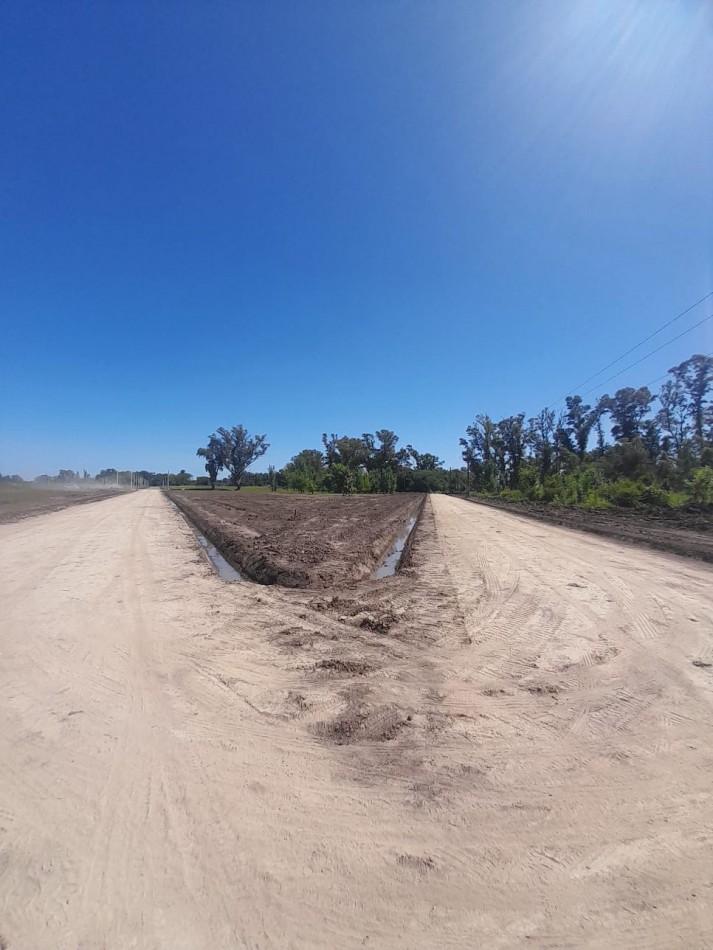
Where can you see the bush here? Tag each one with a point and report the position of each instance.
(624, 493)
(512, 494)
(653, 495)
(594, 499)
(701, 486)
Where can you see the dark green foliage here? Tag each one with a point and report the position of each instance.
(658, 459)
(233, 450)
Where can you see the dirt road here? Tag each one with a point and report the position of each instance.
(531, 764)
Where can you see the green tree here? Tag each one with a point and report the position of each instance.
(237, 451)
(181, 478)
(305, 472)
(512, 438)
(479, 453)
(580, 419)
(627, 408)
(695, 376)
(673, 416)
(541, 437)
(212, 453)
(424, 461)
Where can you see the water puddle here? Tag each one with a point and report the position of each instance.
(390, 565)
(225, 571)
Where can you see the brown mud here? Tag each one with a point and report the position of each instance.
(312, 541)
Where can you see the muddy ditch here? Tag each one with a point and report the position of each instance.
(303, 541)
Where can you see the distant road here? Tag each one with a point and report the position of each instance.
(161, 787)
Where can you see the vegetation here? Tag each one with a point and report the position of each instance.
(662, 457)
(632, 449)
(233, 450)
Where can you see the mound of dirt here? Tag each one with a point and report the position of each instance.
(349, 667)
(359, 724)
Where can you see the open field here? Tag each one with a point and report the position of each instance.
(507, 744)
(299, 540)
(684, 531)
(23, 501)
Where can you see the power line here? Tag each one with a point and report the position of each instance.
(636, 347)
(641, 360)
(658, 379)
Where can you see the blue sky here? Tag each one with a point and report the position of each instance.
(317, 216)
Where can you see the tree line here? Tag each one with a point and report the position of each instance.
(633, 447)
(629, 448)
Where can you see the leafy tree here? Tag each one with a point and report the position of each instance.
(695, 377)
(627, 408)
(342, 479)
(512, 437)
(673, 416)
(424, 461)
(305, 471)
(182, 478)
(580, 420)
(541, 436)
(628, 459)
(651, 438)
(385, 455)
(237, 451)
(345, 451)
(213, 455)
(479, 452)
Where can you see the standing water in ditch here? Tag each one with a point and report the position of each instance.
(390, 565)
(225, 570)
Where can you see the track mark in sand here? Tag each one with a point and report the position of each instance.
(415, 862)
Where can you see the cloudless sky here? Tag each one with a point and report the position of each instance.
(339, 216)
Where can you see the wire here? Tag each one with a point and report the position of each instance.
(658, 379)
(631, 350)
(641, 360)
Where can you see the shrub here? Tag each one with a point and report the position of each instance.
(624, 493)
(653, 495)
(595, 499)
(512, 494)
(701, 486)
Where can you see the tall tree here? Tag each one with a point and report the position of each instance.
(212, 453)
(673, 416)
(305, 471)
(386, 457)
(238, 450)
(695, 375)
(424, 461)
(541, 435)
(479, 452)
(581, 419)
(512, 437)
(627, 408)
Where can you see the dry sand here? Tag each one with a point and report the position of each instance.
(507, 745)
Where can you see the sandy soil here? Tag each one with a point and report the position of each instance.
(299, 540)
(507, 745)
(684, 531)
